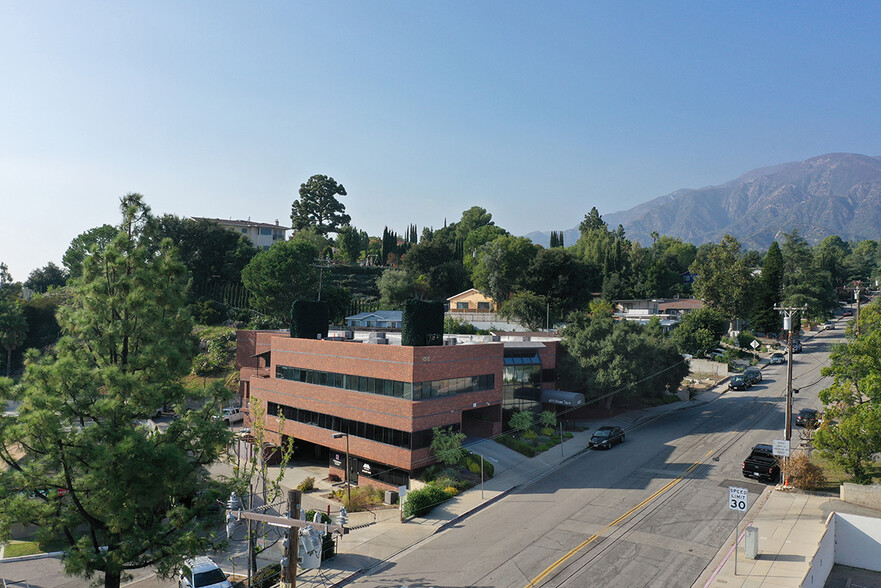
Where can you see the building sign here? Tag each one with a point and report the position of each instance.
(336, 461)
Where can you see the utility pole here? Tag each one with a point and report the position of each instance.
(856, 293)
(788, 314)
(290, 572)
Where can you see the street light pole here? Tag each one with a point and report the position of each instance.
(348, 485)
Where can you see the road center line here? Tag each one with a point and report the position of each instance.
(617, 521)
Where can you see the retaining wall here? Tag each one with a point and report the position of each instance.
(868, 496)
(705, 366)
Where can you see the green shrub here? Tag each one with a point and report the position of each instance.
(307, 485)
(267, 577)
(362, 498)
(522, 420)
(451, 490)
(542, 447)
(208, 312)
(452, 473)
(517, 445)
(310, 514)
(420, 502)
(567, 435)
(474, 467)
(530, 434)
(744, 338)
(547, 431)
(547, 419)
(430, 473)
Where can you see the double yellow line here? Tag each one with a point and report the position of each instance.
(550, 569)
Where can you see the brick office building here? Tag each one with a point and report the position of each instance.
(387, 398)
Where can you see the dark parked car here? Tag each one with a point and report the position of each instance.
(607, 437)
(778, 358)
(739, 382)
(807, 417)
(848, 312)
(796, 346)
(754, 374)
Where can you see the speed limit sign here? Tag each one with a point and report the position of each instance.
(738, 498)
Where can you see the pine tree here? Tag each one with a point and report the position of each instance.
(128, 496)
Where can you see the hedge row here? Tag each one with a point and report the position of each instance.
(517, 445)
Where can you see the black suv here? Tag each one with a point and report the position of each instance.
(607, 437)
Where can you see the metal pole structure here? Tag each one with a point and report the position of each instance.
(481, 477)
(348, 486)
(562, 453)
(250, 534)
(290, 574)
(788, 315)
(348, 483)
(736, 532)
(857, 295)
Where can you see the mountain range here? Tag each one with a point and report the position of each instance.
(833, 194)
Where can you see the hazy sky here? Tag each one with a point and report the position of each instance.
(536, 111)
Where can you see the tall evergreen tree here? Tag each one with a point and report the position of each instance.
(13, 327)
(318, 207)
(770, 292)
(128, 496)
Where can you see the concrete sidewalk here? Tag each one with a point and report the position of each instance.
(790, 526)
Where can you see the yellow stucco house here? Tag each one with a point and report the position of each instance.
(471, 301)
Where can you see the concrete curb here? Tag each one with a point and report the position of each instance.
(460, 517)
(34, 556)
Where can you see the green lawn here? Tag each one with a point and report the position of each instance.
(836, 476)
(19, 548)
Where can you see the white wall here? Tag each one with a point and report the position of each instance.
(858, 542)
(824, 559)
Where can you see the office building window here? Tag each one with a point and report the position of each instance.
(369, 431)
(381, 386)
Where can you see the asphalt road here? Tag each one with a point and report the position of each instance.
(650, 512)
